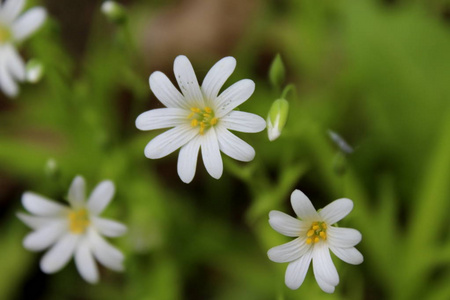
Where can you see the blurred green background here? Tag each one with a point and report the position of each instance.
(376, 72)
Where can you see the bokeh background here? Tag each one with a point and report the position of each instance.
(377, 72)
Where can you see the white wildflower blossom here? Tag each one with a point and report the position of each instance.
(315, 236)
(340, 142)
(14, 29)
(73, 231)
(200, 117)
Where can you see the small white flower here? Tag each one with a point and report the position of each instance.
(315, 237)
(340, 142)
(13, 29)
(201, 118)
(76, 230)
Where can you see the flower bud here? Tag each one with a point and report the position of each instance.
(277, 72)
(34, 71)
(51, 168)
(114, 11)
(277, 118)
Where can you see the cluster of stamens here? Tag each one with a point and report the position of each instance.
(5, 34)
(204, 118)
(78, 220)
(317, 231)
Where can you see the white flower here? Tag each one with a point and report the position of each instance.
(201, 118)
(315, 237)
(340, 142)
(76, 230)
(13, 29)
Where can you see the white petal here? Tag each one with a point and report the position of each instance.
(45, 236)
(169, 141)
(217, 76)
(211, 154)
(187, 159)
(166, 93)
(28, 23)
(233, 146)
(109, 227)
(85, 262)
(234, 96)
(100, 197)
(285, 224)
(105, 253)
(14, 62)
(77, 192)
(162, 118)
(35, 222)
(187, 81)
(243, 122)
(59, 255)
(349, 255)
(343, 237)
(323, 265)
(289, 251)
(340, 142)
(273, 132)
(42, 206)
(303, 206)
(7, 83)
(325, 286)
(10, 10)
(296, 271)
(336, 210)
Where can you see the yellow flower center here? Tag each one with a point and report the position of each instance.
(317, 232)
(5, 34)
(203, 118)
(78, 220)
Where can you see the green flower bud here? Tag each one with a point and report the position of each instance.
(34, 71)
(114, 11)
(51, 168)
(277, 72)
(277, 118)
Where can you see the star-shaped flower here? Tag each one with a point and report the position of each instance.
(73, 231)
(200, 118)
(315, 237)
(14, 29)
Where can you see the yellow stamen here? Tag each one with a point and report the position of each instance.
(317, 231)
(78, 221)
(5, 34)
(204, 118)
